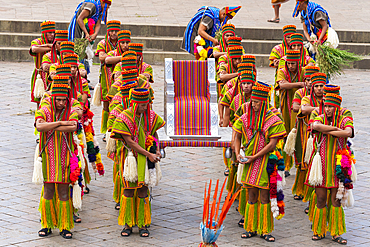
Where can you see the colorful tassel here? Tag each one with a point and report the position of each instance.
(266, 221)
(48, 213)
(39, 89)
(290, 143)
(96, 100)
(337, 224)
(76, 199)
(251, 217)
(37, 177)
(319, 222)
(111, 143)
(143, 212)
(309, 150)
(65, 216)
(350, 202)
(315, 178)
(127, 212)
(130, 169)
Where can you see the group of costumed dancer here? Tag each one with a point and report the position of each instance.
(305, 125)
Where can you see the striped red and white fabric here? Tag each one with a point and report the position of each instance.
(192, 110)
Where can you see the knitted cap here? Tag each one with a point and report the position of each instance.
(60, 86)
(71, 59)
(318, 78)
(309, 70)
(67, 46)
(296, 38)
(129, 75)
(47, 26)
(293, 56)
(249, 59)
(125, 88)
(113, 25)
(124, 36)
(289, 29)
(331, 88)
(63, 70)
(333, 100)
(61, 35)
(245, 67)
(235, 51)
(228, 28)
(128, 62)
(139, 95)
(136, 47)
(260, 92)
(129, 54)
(247, 76)
(234, 41)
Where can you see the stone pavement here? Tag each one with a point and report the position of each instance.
(177, 201)
(344, 15)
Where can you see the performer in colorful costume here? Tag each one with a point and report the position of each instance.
(258, 132)
(315, 20)
(205, 23)
(308, 97)
(289, 80)
(331, 168)
(296, 44)
(53, 57)
(119, 103)
(145, 70)
(278, 52)
(110, 42)
(56, 124)
(38, 48)
(136, 128)
(113, 57)
(86, 21)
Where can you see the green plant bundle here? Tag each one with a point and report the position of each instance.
(331, 61)
(218, 35)
(80, 47)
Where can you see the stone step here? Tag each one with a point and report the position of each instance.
(149, 30)
(173, 44)
(21, 54)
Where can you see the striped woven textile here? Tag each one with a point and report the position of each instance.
(185, 143)
(192, 111)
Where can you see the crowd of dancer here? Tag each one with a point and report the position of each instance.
(305, 126)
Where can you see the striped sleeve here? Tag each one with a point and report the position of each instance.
(238, 126)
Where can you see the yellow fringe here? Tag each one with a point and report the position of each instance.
(266, 221)
(127, 211)
(47, 210)
(251, 217)
(337, 225)
(65, 220)
(319, 223)
(312, 206)
(147, 212)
